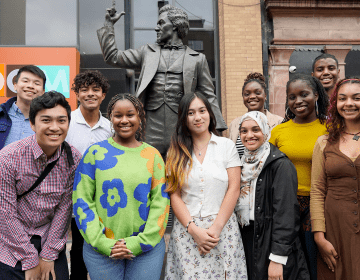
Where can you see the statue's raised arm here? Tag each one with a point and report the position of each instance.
(169, 69)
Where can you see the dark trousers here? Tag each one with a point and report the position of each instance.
(247, 235)
(16, 273)
(78, 269)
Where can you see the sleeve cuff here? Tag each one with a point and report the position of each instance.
(133, 246)
(318, 225)
(278, 259)
(49, 254)
(30, 263)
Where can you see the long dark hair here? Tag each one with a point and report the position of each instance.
(181, 146)
(317, 87)
(335, 124)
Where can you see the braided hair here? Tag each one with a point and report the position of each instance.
(140, 133)
(255, 77)
(317, 87)
(335, 124)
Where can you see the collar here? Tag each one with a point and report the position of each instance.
(214, 139)
(5, 107)
(79, 118)
(15, 108)
(173, 47)
(38, 152)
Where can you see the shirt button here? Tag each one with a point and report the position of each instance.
(201, 190)
(355, 212)
(258, 208)
(355, 224)
(202, 180)
(355, 201)
(354, 191)
(260, 180)
(354, 178)
(352, 165)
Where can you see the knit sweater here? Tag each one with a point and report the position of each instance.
(119, 192)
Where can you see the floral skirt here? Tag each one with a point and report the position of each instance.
(225, 261)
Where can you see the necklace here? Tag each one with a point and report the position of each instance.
(356, 136)
(201, 148)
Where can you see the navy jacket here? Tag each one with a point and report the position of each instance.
(5, 121)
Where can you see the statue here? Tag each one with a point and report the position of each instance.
(168, 71)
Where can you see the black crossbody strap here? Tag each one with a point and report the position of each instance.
(49, 167)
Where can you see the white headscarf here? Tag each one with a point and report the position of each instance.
(252, 165)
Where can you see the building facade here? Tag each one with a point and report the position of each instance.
(237, 37)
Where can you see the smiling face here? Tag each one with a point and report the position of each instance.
(301, 101)
(348, 102)
(90, 97)
(254, 97)
(251, 135)
(28, 86)
(198, 119)
(126, 122)
(327, 72)
(51, 127)
(164, 29)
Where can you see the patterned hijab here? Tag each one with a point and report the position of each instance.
(252, 165)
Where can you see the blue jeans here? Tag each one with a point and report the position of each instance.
(146, 266)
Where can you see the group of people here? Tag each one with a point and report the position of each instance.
(278, 199)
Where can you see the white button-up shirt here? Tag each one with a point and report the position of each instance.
(81, 135)
(208, 182)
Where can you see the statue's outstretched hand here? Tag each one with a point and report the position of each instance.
(111, 17)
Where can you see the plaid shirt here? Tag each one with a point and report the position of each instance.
(45, 211)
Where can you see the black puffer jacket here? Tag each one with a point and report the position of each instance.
(277, 218)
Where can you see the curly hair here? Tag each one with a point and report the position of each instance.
(255, 77)
(178, 18)
(140, 133)
(316, 86)
(88, 78)
(335, 124)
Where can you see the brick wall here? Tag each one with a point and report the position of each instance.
(240, 51)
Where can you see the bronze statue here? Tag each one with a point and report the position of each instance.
(168, 71)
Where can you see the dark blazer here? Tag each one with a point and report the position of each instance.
(5, 121)
(277, 218)
(196, 74)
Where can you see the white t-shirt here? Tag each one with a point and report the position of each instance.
(208, 182)
(81, 135)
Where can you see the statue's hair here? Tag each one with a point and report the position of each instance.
(178, 18)
(140, 133)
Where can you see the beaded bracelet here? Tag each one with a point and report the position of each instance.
(187, 226)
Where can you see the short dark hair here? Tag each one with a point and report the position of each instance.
(32, 69)
(48, 100)
(325, 56)
(178, 18)
(88, 78)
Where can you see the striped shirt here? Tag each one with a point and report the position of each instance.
(45, 211)
(239, 147)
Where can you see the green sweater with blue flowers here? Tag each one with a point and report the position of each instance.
(119, 192)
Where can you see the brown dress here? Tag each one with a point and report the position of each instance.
(335, 197)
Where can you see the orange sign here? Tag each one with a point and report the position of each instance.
(59, 64)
